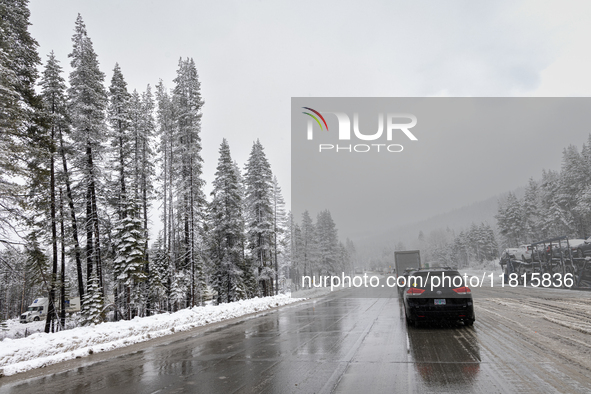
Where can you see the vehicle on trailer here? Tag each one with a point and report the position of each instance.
(525, 252)
(36, 311)
(572, 247)
(538, 253)
(438, 294)
(565, 247)
(559, 261)
(584, 248)
(510, 253)
(553, 250)
(512, 265)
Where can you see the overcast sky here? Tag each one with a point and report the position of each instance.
(253, 56)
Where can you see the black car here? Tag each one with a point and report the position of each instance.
(438, 295)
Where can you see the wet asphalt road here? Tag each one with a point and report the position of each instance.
(338, 343)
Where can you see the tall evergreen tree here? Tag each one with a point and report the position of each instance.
(328, 243)
(18, 74)
(226, 225)
(23, 139)
(531, 211)
(119, 120)
(188, 162)
(165, 116)
(87, 104)
(130, 256)
(279, 246)
(308, 251)
(53, 97)
(259, 215)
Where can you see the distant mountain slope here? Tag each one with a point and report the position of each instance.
(456, 220)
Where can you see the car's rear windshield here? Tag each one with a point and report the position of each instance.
(451, 279)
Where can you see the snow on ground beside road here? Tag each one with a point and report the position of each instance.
(40, 349)
(16, 329)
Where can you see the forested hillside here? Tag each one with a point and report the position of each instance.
(557, 205)
(83, 163)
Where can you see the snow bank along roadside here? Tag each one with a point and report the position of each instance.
(39, 350)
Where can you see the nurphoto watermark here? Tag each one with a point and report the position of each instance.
(434, 281)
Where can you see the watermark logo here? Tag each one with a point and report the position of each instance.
(316, 119)
(394, 124)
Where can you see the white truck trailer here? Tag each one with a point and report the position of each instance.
(36, 311)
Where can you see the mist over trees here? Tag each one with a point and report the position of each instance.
(316, 249)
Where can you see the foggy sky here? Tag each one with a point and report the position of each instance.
(253, 56)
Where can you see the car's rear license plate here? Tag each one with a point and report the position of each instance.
(439, 301)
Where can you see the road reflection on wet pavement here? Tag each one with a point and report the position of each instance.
(338, 343)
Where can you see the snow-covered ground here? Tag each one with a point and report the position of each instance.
(15, 329)
(40, 349)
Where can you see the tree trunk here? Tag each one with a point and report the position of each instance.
(51, 307)
(145, 208)
(73, 218)
(63, 268)
(89, 221)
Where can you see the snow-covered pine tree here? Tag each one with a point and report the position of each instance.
(572, 182)
(352, 253)
(143, 130)
(24, 141)
(87, 104)
(556, 220)
(279, 246)
(490, 243)
(249, 272)
(344, 257)
(178, 290)
(158, 275)
(583, 200)
(226, 230)
(510, 220)
(54, 105)
(309, 248)
(54, 98)
(259, 216)
(187, 162)
(296, 254)
(119, 120)
(19, 107)
(165, 114)
(531, 211)
(288, 244)
(128, 267)
(92, 303)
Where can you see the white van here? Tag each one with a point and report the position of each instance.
(36, 311)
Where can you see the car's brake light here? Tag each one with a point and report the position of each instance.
(415, 291)
(462, 290)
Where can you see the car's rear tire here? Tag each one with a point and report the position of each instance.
(469, 322)
(408, 319)
(36, 318)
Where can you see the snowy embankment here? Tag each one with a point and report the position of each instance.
(39, 350)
